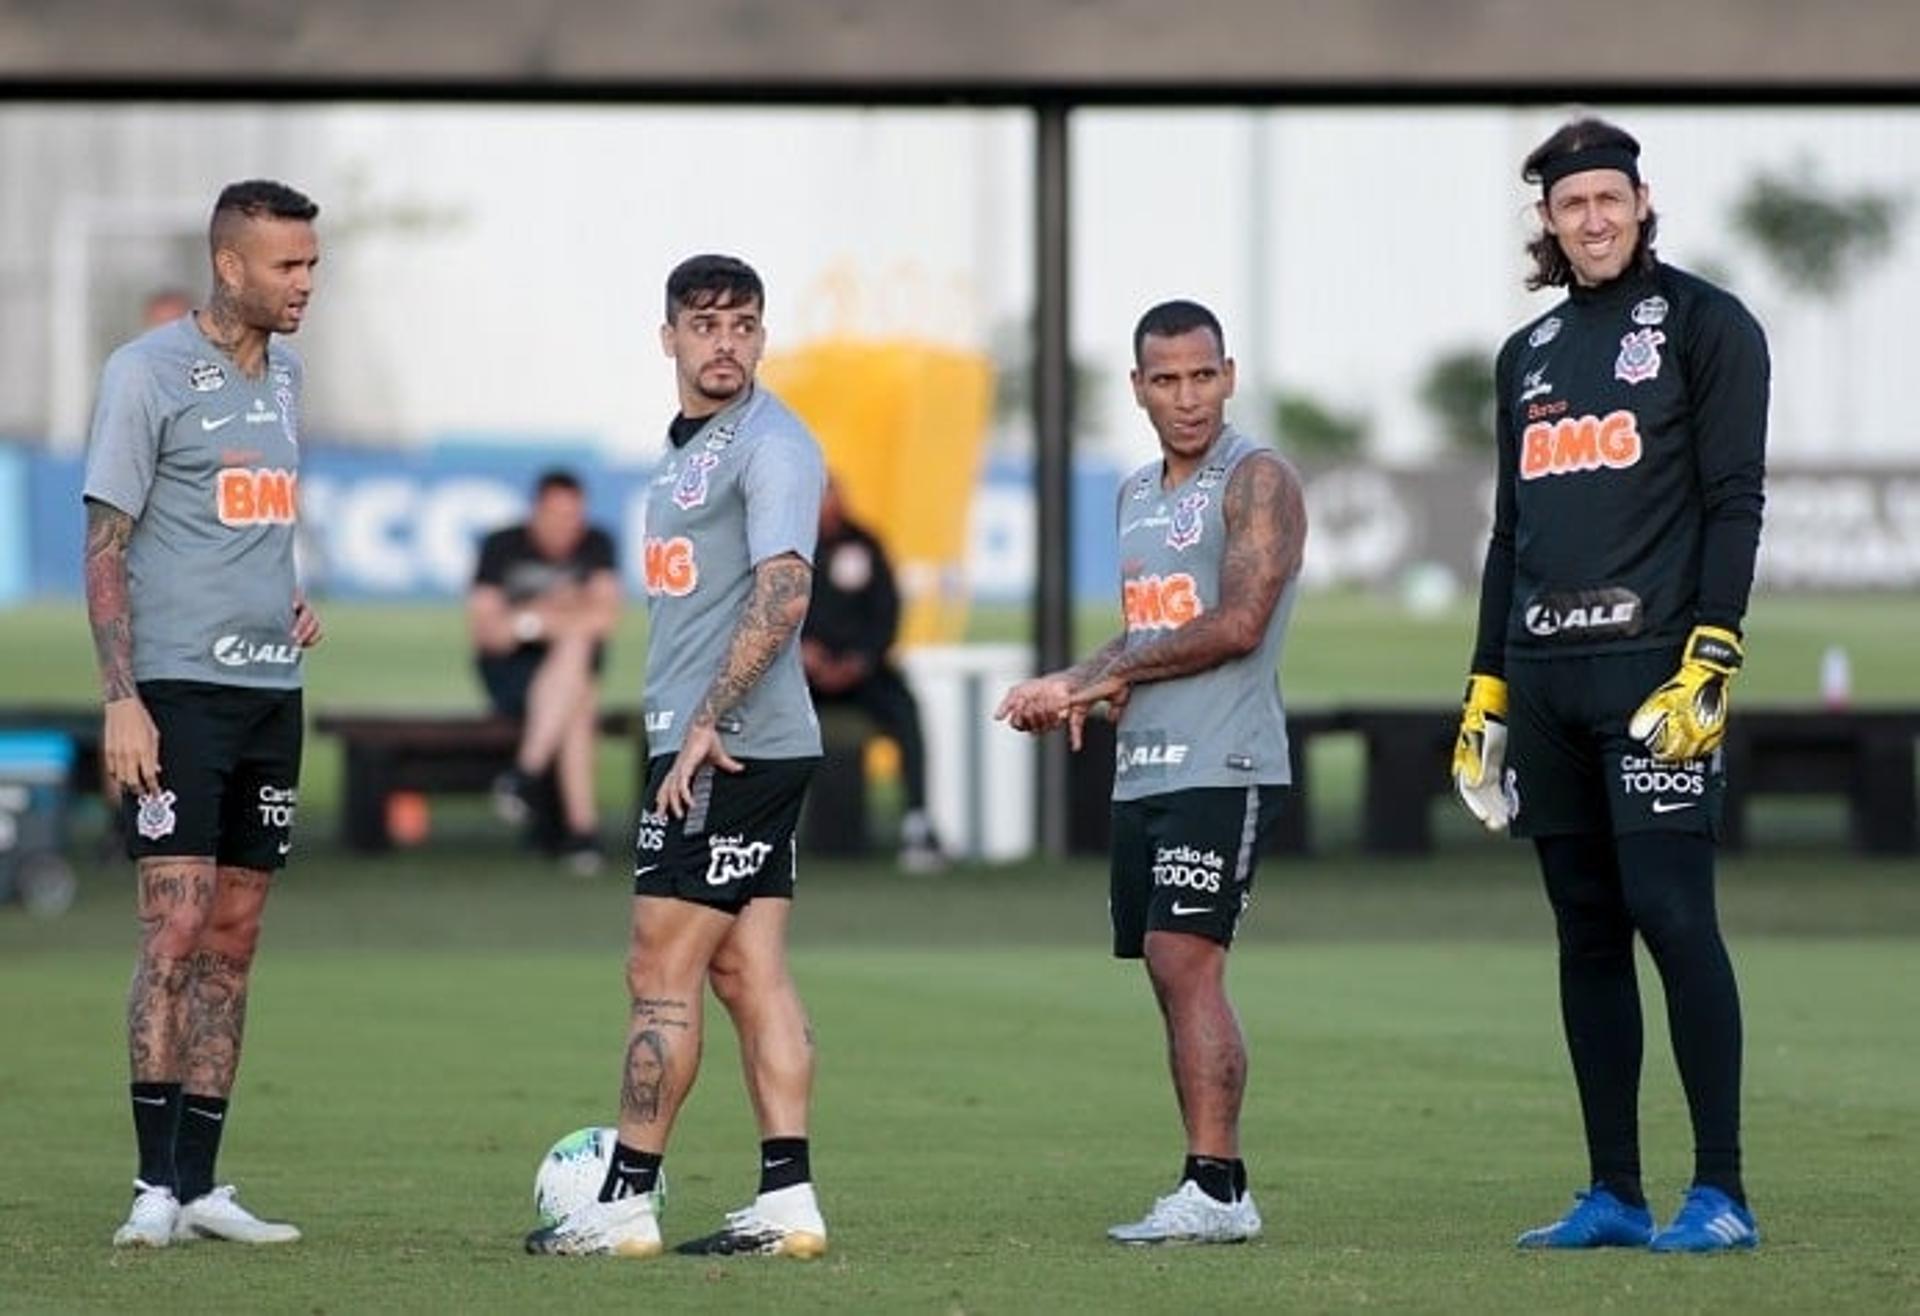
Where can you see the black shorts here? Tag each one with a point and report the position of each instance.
(508, 676)
(734, 845)
(1184, 861)
(1572, 768)
(229, 775)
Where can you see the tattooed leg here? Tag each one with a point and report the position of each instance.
(673, 941)
(1208, 1053)
(750, 977)
(217, 992)
(176, 898)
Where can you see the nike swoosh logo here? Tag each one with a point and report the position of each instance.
(209, 424)
(151, 1101)
(286, 847)
(1180, 910)
(217, 1116)
(1673, 806)
(644, 870)
(774, 1165)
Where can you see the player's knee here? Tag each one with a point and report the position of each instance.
(175, 936)
(232, 934)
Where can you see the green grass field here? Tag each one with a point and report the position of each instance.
(992, 1091)
(991, 1096)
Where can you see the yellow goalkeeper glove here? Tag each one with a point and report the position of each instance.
(1481, 751)
(1687, 717)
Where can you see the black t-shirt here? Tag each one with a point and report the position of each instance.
(1632, 424)
(510, 562)
(855, 607)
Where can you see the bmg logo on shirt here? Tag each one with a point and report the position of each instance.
(1161, 602)
(670, 567)
(1579, 443)
(256, 495)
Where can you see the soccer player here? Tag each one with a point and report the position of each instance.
(1211, 537)
(731, 519)
(1631, 447)
(200, 626)
(545, 596)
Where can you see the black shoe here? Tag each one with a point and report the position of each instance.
(511, 802)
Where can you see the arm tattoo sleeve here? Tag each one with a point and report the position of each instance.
(109, 610)
(1089, 668)
(774, 611)
(1266, 536)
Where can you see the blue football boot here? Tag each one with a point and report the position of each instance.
(1598, 1219)
(1709, 1221)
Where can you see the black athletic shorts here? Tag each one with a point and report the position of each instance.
(1571, 767)
(229, 774)
(734, 845)
(1183, 862)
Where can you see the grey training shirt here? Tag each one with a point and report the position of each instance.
(746, 487)
(206, 462)
(1221, 727)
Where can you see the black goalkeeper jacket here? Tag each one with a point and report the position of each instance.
(1632, 432)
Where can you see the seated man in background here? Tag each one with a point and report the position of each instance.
(545, 597)
(850, 626)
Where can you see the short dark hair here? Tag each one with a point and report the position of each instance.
(556, 477)
(699, 282)
(257, 198)
(1551, 268)
(1171, 319)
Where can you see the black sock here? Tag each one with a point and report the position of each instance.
(783, 1163)
(1214, 1174)
(156, 1116)
(1239, 1177)
(197, 1145)
(1669, 886)
(630, 1173)
(1599, 1003)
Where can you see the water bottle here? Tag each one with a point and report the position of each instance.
(1836, 678)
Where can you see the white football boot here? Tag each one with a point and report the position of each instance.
(217, 1215)
(629, 1227)
(151, 1221)
(1188, 1215)
(783, 1223)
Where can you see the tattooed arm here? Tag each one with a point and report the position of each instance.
(1040, 703)
(1266, 519)
(130, 746)
(775, 608)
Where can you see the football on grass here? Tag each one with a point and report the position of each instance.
(570, 1174)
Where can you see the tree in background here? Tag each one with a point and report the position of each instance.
(1818, 242)
(1457, 391)
(1815, 240)
(1309, 428)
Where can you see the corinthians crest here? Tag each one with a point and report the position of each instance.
(691, 490)
(1184, 531)
(1639, 358)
